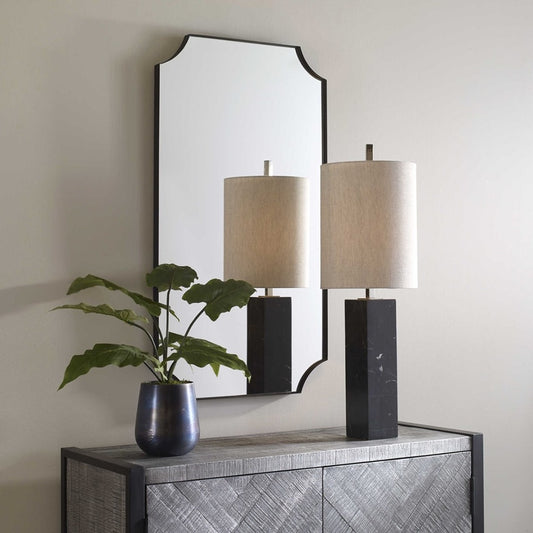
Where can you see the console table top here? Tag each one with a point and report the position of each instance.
(271, 452)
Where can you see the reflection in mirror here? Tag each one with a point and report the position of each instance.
(266, 242)
(222, 108)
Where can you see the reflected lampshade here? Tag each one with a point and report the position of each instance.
(368, 225)
(266, 230)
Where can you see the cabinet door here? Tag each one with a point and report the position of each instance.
(280, 501)
(430, 494)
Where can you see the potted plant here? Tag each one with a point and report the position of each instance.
(167, 418)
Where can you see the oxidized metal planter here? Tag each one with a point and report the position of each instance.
(167, 419)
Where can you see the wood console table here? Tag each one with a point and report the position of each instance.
(428, 479)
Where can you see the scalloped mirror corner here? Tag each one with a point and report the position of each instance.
(223, 107)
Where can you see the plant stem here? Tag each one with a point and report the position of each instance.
(166, 340)
(154, 346)
(171, 371)
(152, 371)
(165, 355)
(159, 332)
(193, 321)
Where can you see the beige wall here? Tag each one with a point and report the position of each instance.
(445, 83)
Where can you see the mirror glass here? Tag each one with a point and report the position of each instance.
(222, 108)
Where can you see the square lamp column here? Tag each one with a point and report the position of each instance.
(266, 242)
(369, 240)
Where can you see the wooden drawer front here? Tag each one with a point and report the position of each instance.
(430, 494)
(279, 501)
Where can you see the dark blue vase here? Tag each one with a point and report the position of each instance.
(167, 419)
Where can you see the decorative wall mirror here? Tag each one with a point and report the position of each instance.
(222, 108)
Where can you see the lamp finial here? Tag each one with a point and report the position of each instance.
(269, 168)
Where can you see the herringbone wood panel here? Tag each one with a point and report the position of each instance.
(422, 494)
(276, 502)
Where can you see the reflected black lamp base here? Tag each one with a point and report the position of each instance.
(269, 345)
(371, 369)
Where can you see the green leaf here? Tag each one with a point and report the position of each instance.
(126, 315)
(199, 352)
(170, 276)
(174, 337)
(103, 355)
(220, 296)
(79, 284)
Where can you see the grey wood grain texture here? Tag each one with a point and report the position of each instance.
(276, 502)
(96, 499)
(422, 494)
(252, 454)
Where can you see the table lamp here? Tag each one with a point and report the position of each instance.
(266, 242)
(369, 240)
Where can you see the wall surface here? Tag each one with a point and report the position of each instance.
(446, 84)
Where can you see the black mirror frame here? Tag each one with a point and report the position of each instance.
(323, 83)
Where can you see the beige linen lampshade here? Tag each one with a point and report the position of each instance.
(368, 218)
(266, 230)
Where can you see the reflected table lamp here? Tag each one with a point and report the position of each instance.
(266, 242)
(369, 240)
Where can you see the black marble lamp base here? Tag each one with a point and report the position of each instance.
(371, 369)
(269, 345)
